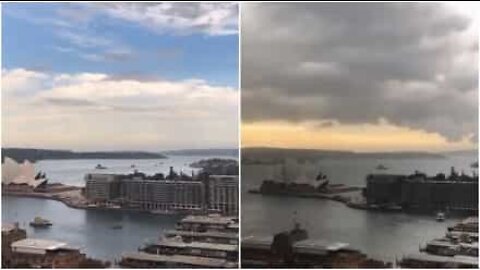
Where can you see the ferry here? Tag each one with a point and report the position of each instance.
(440, 216)
(381, 167)
(100, 167)
(117, 227)
(39, 222)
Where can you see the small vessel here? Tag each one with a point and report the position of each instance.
(381, 167)
(117, 227)
(440, 216)
(132, 166)
(100, 167)
(39, 222)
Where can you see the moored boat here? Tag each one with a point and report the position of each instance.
(100, 167)
(39, 222)
(440, 216)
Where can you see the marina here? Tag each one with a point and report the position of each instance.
(173, 250)
(458, 250)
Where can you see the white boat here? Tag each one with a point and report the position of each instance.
(100, 167)
(39, 222)
(440, 216)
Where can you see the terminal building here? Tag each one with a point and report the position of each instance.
(457, 249)
(199, 241)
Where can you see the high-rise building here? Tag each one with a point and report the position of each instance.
(162, 194)
(216, 193)
(223, 194)
(102, 187)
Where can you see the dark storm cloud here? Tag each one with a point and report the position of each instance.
(412, 64)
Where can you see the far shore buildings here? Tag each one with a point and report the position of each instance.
(173, 193)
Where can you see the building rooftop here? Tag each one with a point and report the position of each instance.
(233, 226)
(314, 246)
(38, 244)
(440, 243)
(467, 260)
(470, 220)
(469, 245)
(180, 259)
(308, 246)
(224, 176)
(8, 227)
(163, 181)
(226, 235)
(210, 219)
(197, 245)
(458, 233)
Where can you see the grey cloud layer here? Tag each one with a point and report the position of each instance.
(414, 65)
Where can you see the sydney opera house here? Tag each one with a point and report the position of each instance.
(21, 175)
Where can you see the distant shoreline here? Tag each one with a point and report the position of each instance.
(21, 154)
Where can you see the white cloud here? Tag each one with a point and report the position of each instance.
(20, 80)
(86, 41)
(95, 111)
(183, 18)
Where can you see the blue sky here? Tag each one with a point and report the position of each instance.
(36, 38)
(120, 76)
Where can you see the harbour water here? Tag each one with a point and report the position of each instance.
(72, 172)
(386, 236)
(93, 230)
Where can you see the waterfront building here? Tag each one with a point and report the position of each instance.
(212, 222)
(163, 195)
(468, 225)
(199, 241)
(434, 261)
(207, 236)
(18, 251)
(146, 260)
(203, 249)
(223, 194)
(102, 187)
(294, 249)
(174, 193)
(459, 249)
(40, 253)
(419, 192)
(211, 228)
(10, 233)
